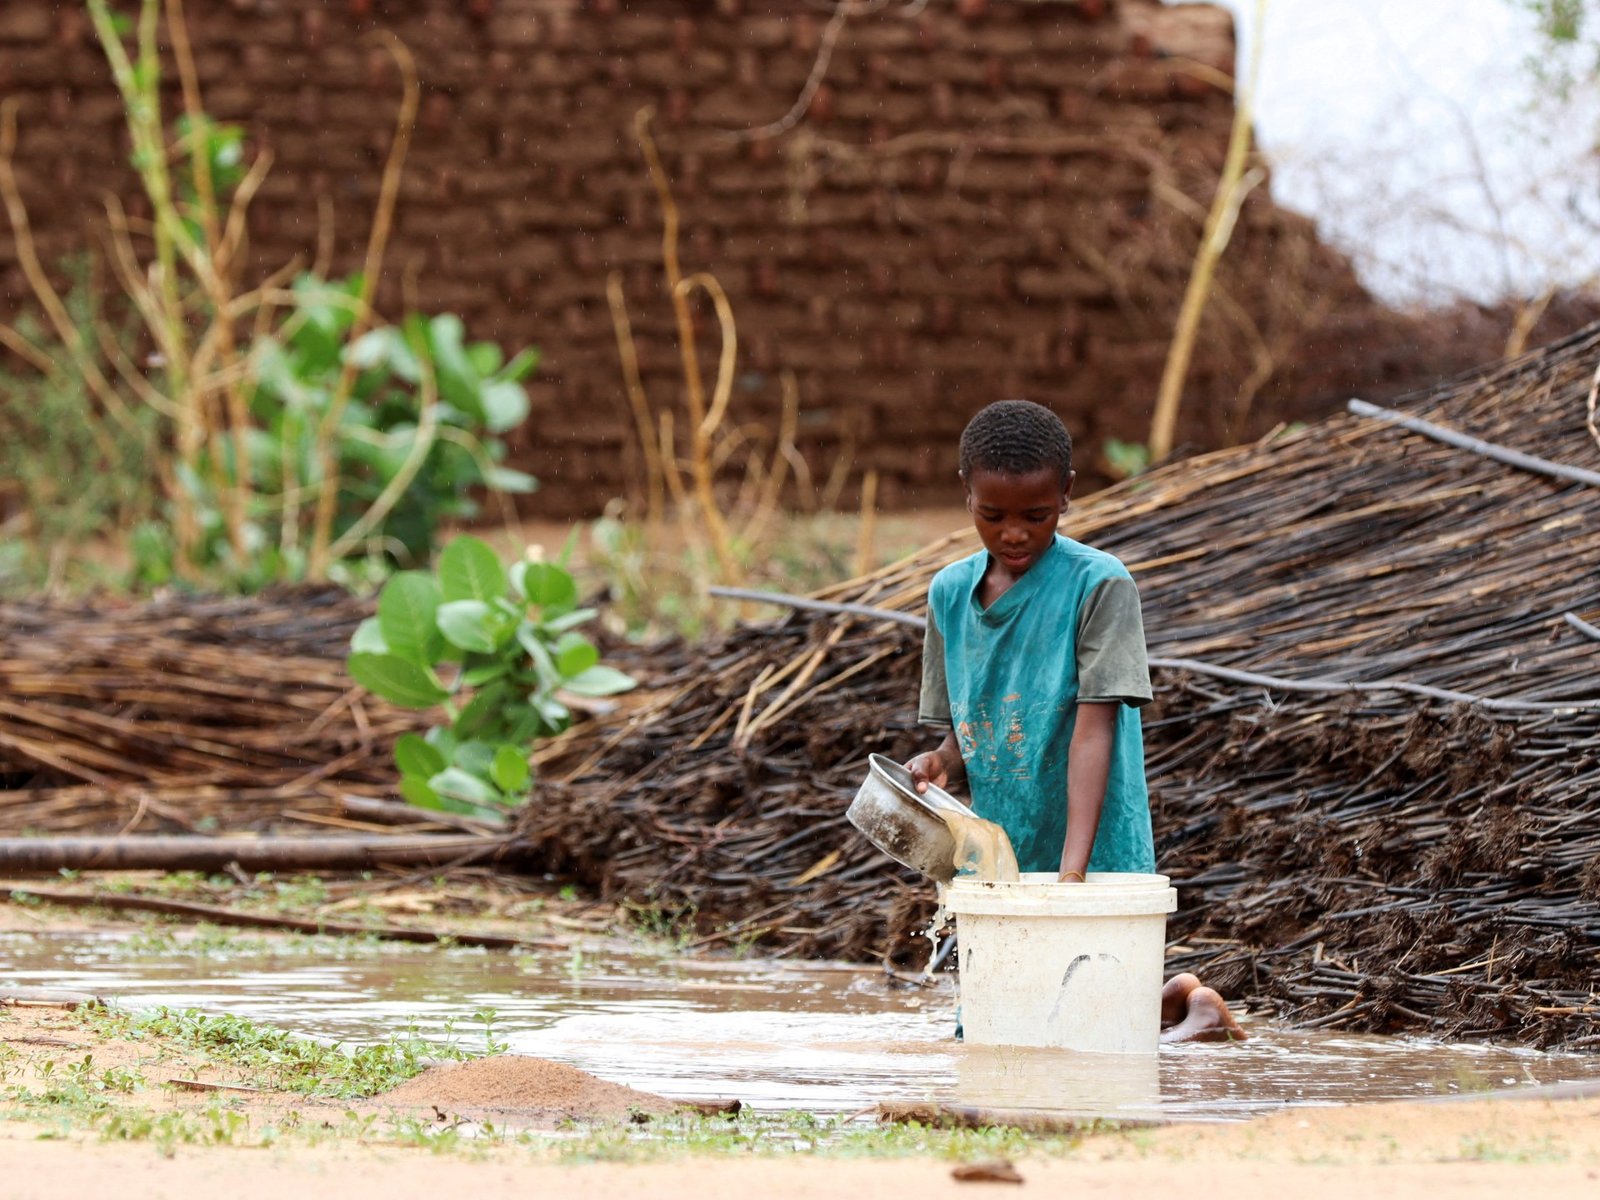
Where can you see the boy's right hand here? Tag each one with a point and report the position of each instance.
(928, 768)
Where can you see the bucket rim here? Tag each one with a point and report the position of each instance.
(1038, 881)
(1037, 894)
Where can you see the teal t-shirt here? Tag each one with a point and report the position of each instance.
(1013, 674)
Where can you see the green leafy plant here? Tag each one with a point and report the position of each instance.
(1126, 459)
(415, 436)
(494, 649)
(287, 430)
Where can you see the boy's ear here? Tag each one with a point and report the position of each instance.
(1066, 490)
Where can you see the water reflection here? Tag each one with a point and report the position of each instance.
(824, 1038)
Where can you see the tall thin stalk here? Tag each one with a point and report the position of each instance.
(377, 243)
(1232, 188)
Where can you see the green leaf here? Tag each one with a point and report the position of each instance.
(487, 673)
(459, 383)
(326, 311)
(571, 620)
(520, 367)
(467, 624)
(504, 479)
(1126, 459)
(564, 559)
(387, 347)
(486, 358)
(546, 585)
(505, 405)
(575, 654)
(416, 791)
(475, 757)
(554, 713)
(510, 770)
(485, 715)
(543, 664)
(462, 785)
(470, 570)
(600, 681)
(416, 758)
(398, 680)
(524, 724)
(368, 638)
(407, 608)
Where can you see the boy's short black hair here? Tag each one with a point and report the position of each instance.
(1016, 437)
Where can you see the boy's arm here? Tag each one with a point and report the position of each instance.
(1112, 671)
(945, 763)
(1088, 769)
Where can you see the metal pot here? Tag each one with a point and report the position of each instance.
(904, 823)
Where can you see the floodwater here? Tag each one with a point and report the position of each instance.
(827, 1038)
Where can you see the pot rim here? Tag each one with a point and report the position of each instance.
(897, 777)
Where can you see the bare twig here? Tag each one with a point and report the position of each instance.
(377, 242)
(1462, 441)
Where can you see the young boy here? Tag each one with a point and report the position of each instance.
(1035, 664)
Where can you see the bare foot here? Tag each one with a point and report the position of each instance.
(1208, 1020)
(1175, 998)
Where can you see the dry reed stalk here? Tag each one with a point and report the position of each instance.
(694, 383)
(867, 529)
(1232, 188)
(638, 404)
(372, 267)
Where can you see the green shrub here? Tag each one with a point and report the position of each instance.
(510, 640)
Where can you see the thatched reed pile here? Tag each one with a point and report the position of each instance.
(1374, 860)
(185, 715)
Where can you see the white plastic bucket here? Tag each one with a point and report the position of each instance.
(1072, 965)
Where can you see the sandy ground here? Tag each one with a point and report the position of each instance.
(1471, 1148)
(1268, 1159)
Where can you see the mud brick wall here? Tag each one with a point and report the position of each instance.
(984, 198)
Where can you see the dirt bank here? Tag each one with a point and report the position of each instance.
(521, 1086)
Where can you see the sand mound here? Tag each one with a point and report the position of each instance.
(509, 1081)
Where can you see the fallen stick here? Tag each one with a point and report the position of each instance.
(394, 812)
(1462, 441)
(29, 997)
(1582, 626)
(197, 853)
(229, 916)
(1233, 675)
(973, 1116)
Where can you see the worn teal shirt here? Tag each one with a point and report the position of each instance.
(1013, 675)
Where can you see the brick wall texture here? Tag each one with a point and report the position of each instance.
(984, 198)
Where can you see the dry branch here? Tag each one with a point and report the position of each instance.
(214, 915)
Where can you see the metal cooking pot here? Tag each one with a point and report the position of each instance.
(904, 823)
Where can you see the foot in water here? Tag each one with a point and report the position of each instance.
(1192, 1012)
(1175, 998)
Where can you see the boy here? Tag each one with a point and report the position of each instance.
(1035, 664)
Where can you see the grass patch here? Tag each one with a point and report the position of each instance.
(791, 1133)
(274, 1058)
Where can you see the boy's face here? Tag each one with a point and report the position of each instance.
(1016, 515)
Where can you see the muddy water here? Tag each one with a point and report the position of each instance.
(829, 1039)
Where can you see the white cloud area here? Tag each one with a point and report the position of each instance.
(1419, 138)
